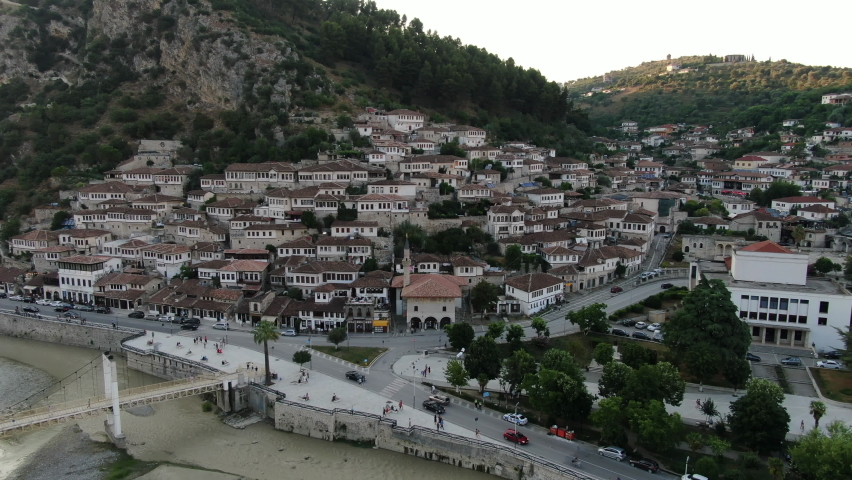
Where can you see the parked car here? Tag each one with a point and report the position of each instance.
(28, 299)
(136, 314)
(221, 326)
(29, 309)
(166, 318)
(829, 364)
(616, 289)
(515, 418)
(516, 437)
(56, 303)
(618, 332)
(752, 357)
(357, 376)
(16, 298)
(795, 361)
(640, 325)
(658, 271)
(694, 476)
(85, 308)
(833, 354)
(103, 310)
(442, 399)
(152, 316)
(2, 294)
(290, 332)
(43, 302)
(646, 464)
(628, 322)
(641, 336)
(654, 327)
(433, 406)
(667, 235)
(61, 309)
(645, 275)
(612, 452)
(666, 286)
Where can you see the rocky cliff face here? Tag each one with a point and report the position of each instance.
(198, 54)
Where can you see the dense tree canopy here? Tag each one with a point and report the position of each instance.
(758, 419)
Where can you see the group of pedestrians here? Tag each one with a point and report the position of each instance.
(439, 422)
(426, 371)
(196, 340)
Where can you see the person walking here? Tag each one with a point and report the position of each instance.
(803, 426)
(400, 405)
(435, 420)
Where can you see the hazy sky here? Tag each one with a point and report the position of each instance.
(567, 40)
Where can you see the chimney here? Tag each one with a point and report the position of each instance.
(406, 264)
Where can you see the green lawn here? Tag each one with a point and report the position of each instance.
(834, 384)
(354, 355)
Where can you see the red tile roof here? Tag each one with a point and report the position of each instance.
(765, 247)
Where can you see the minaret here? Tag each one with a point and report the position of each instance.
(406, 264)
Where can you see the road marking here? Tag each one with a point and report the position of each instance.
(393, 387)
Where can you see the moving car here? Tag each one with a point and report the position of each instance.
(189, 326)
(612, 452)
(357, 376)
(194, 321)
(616, 289)
(796, 361)
(29, 309)
(2, 294)
(618, 332)
(166, 318)
(290, 332)
(640, 325)
(433, 406)
(641, 336)
(151, 317)
(61, 309)
(85, 308)
(221, 326)
(666, 286)
(43, 302)
(829, 364)
(102, 310)
(73, 315)
(136, 314)
(516, 418)
(752, 357)
(516, 437)
(16, 298)
(657, 271)
(833, 354)
(646, 464)
(56, 303)
(442, 399)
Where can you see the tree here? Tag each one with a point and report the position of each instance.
(484, 296)
(614, 379)
(656, 429)
(604, 353)
(709, 322)
(539, 325)
(620, 270)
(825, 456)
(309, 220)
(695, 441)
(777, 468)
(779, 189)
(561, 361)
(370, 265)
(847, 268)
(610, 418)
(706, 466)
(655, 382)
(846, 338)
(701, 362)
(718, 446)
(633, 355)
(708, 408)
(824, 265)
(460, 335)
(516, 367)
(328, 220)
(798, 235)
(678, 256)
(294, 293)
(264, 333)
(737, 371)
(452, 148)
(301, 357)
(59, 219)
(514, 257)
(514, 336)
(456, 375)
(483, 358)
(591, 318)
(817, 410)
(336, 336)
(495, 329)
(9, 229)
(558, 394)
(758, 419)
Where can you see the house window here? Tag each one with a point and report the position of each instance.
(445, 309)
(823, 307)
(764, 302)
(822, 321)
(416, 307)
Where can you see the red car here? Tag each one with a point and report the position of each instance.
(516, 437)
(616, 289)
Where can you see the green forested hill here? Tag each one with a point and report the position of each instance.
(237, 81)
(760, 94)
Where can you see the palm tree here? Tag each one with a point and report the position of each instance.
(818, 411)
(265, 332)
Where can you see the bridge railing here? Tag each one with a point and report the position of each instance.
(88, 402)
(151, 351)
(51, 318)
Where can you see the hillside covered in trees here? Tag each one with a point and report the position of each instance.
(726, 95)
(238, 81)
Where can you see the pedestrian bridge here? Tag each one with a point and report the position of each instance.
(28, 420)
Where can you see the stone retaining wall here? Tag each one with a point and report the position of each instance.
(96, 336)
(486, 457)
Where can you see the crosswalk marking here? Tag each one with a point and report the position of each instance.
(393, 387)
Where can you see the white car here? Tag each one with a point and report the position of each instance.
(658, 271)
(654, 327)
(16, 298)
(640, 325)
(289, 332)
(829, 364)
(516, 418)
(612, 452)
(694, 476)
(42, 301)
(56, 303)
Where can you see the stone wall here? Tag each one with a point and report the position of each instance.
(163, 365)
(487, 457)
(50, 330)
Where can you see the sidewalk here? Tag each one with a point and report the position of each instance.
(320, 387)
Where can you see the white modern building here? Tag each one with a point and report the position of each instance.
(533, 291)
(782, 305)
(78, 275)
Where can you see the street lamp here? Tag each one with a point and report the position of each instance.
(686, 470)
(413, 386)
(516, 424)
